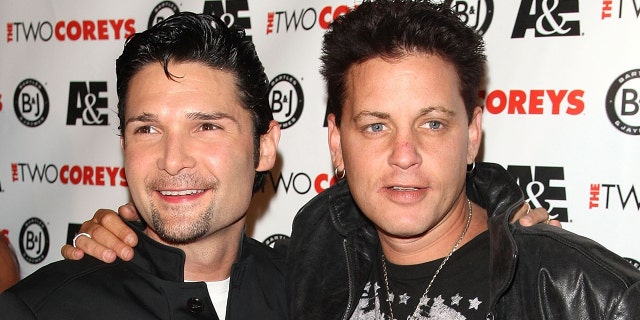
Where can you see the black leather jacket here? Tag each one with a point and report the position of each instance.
(149, 287)
(539, 272)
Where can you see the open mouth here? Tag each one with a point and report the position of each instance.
(181, 192)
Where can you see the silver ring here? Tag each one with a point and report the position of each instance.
(78, 235)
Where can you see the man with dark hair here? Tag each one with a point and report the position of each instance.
(197, 136)
(417, 230)
(407, 158)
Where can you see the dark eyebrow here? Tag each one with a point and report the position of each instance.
(202, 116)
(145, 117)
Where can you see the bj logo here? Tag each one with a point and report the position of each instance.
(286, 99)
(31, 103)
(34, 241)
(271, 240)
(162, 11)
(476, 14)
(623, 102)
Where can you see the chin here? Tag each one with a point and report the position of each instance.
(404, 231)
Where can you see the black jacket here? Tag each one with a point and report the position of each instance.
(149, 287)
(539, 272)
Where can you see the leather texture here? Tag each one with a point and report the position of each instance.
(539, 272)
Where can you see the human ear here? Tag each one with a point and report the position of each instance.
(475, 135)
(335, 145)
(269, 147)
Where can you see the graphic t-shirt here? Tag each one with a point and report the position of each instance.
(460, 291)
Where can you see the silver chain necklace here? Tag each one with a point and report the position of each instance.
(416, 313)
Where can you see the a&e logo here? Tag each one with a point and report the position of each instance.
(623, 102)
(31, 103)
(229, 12)
(548, 18)
(542, 187)
(34, 241)
(86, 103)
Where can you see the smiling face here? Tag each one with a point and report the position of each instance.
(405, 140)
(189, 151)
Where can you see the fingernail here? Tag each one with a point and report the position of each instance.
(109, 255)
(129, 240)
(127, 253)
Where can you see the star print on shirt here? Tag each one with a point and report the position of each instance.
(438, 300)
(473, 304)
(390, 297)
(455, 300)
(404, 298)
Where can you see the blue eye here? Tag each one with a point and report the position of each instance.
(434, 124)
(376, 127)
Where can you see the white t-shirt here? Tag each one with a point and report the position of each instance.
(218, 293)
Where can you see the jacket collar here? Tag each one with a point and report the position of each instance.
(494, 189)
(164, 261)
(345, 214)
(489, 185)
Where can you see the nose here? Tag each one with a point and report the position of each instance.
(405, 150)
(176, 154)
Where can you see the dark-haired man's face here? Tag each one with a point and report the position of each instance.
(188, 149)
(405, 141)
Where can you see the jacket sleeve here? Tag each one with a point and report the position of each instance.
(628, 307)
(13, 308)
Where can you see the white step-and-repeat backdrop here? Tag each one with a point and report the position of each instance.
(562, 109)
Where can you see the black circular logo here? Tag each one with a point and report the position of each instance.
(286, 99)
(34, 241)
(31, 103)
(625, 115)
(271, 240)
(476, 14)
(162, 11)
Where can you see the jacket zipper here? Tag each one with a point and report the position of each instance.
(347, 312)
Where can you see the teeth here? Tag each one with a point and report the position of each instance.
(181, 192)
(404, 188)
